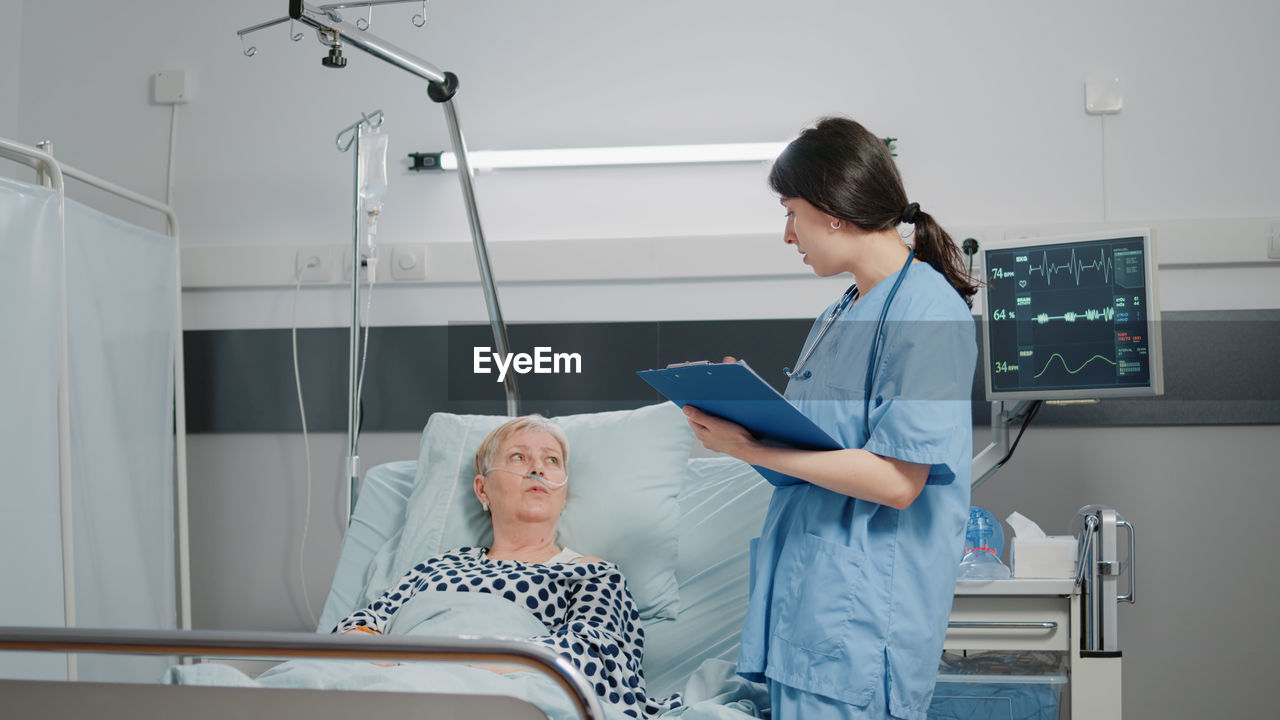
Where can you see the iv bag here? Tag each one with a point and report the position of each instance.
(373, 169)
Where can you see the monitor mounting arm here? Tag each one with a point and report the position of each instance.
(993, 456)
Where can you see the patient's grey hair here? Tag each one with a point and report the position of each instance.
(489, 448)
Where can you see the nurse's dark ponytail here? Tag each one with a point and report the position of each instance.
(935, 246)
(841, 168)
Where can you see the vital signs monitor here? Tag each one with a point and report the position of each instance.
(1072, 317)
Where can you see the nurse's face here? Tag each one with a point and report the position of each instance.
(823, 248)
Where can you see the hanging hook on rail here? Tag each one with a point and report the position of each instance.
(331, 11)
(371, 120)
(251, 50)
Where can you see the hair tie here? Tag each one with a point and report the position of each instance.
(909, 213)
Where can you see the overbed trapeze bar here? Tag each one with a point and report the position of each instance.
(275, 645)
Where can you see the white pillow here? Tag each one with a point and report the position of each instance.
(625, 470)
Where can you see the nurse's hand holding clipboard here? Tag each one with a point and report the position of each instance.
(855, 473)
(717, 434)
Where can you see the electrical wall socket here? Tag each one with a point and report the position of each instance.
(347, 264)
(408, 262)
(313, 266)
(396, 263)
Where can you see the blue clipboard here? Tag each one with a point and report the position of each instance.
(735, 392)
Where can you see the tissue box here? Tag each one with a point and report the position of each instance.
(1046, 557)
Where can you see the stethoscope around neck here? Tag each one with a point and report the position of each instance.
(845, 301)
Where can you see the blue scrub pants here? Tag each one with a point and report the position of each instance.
(788, 703)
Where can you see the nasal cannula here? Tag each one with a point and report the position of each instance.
(531, 475)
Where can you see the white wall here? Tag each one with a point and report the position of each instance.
(986, 98)
(10, 52)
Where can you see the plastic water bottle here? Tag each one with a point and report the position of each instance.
(983, 544)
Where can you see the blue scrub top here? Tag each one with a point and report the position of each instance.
(849, 598)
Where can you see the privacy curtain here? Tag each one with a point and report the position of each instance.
(30, 318)
(121, 300)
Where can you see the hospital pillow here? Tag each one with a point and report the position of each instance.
(625, 471)
(722, 506)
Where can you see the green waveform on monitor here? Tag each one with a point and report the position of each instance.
(1107, 314)
(1069, 370)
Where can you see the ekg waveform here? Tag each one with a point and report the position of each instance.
(1059, 358)
(1073, 267)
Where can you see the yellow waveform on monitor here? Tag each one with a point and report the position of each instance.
(1063, 360)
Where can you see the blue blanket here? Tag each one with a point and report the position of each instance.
(714, 692)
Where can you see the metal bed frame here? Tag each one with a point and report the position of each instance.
(277, 645)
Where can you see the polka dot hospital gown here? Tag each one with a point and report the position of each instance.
(590, 616)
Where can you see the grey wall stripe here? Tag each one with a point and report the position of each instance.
(1219, 369)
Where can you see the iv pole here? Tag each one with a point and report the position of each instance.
(351, 468)
(441, 88)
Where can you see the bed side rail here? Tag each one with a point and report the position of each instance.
(305, 645)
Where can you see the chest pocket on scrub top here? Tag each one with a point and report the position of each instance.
(840, 404)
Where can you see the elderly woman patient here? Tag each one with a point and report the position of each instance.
(583, 602)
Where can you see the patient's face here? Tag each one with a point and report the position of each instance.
(512, 496)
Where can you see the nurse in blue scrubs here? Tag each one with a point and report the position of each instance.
(854, 571)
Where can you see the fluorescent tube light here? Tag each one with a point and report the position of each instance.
(645, 155)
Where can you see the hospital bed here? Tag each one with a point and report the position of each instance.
(697, 514)
(692, 586)
(721, 505)
(710, 510)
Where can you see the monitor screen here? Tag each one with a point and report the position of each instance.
(1072, 317)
